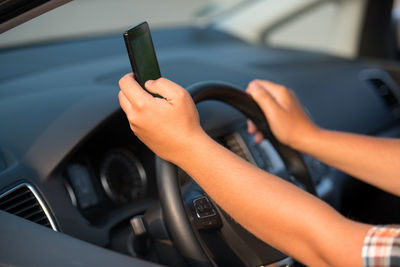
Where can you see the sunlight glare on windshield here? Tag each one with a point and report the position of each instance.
(85, 18)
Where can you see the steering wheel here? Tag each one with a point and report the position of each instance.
(185, 216)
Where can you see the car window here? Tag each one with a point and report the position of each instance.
(325, 26)
(303, 31)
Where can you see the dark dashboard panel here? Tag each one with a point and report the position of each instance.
(21, 237)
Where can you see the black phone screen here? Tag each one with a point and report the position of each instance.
(142, 54)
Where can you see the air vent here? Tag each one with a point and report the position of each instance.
(235, 143)
(386, 93)
(386, 87)
(23, 201)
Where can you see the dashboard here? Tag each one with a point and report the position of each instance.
(63, 133)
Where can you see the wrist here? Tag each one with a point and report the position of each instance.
(187, 148)
(306, 138)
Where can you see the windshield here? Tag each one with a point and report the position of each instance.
(86, 18)
(327, 26)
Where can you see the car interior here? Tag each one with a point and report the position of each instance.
(77, 187)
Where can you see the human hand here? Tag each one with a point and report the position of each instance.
(287, 119)
(166, 125)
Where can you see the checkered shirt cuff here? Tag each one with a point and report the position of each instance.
(382, 246)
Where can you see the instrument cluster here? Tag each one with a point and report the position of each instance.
(120, 176)
(111, 174)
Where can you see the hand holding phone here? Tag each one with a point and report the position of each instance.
(142, 55)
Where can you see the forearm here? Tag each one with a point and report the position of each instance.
(272, 209)
(373, 160)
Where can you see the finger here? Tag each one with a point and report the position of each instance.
(132, 90)
(277, 91)
(124, 103)
(270, 84)
(263, 98)
(258, 138)
(251, 127)
(165, 88)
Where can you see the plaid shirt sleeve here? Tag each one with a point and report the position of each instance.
(382, 246)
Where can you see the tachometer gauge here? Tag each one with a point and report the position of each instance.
(123, 176)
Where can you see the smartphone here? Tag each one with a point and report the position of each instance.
(142, 54)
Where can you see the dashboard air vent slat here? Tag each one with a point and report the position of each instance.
(22, 209)
(14, 207)
(11, 198)
(23, 201)
(31, 215)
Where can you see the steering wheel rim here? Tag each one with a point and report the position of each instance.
(185, 237)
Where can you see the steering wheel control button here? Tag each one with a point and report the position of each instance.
(203, 208)
(207, 217)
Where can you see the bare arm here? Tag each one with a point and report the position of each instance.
(370, 159)
(276, 211)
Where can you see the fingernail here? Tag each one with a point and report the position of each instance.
(253, 84)
(148, 83)
(252, 88)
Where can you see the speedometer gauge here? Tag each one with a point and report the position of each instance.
(122, 176)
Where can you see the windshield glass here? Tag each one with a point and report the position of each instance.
(86, 18)
(327, 26)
